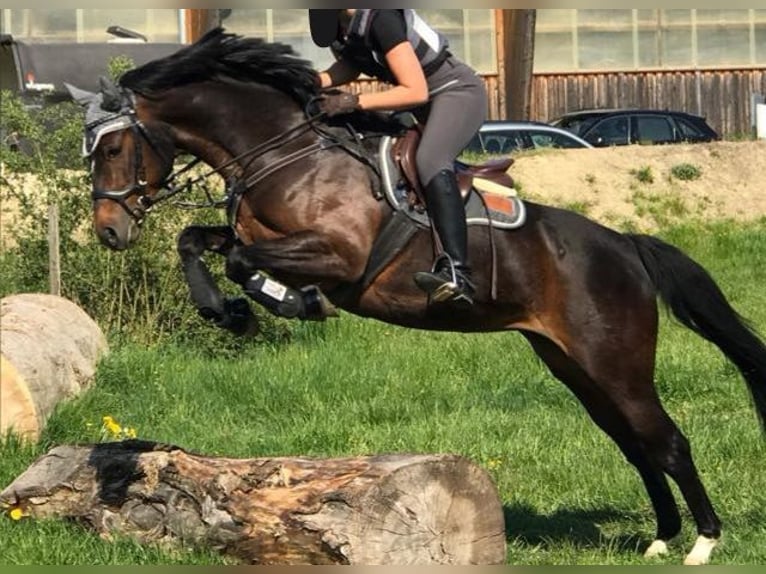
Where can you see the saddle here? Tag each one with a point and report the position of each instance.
(487, 190)
(404, 151)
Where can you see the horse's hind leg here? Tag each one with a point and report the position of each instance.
(231, 314)
(604, 413)
(653, 440)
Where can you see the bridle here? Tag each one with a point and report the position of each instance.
(169, 186)
(144, 202)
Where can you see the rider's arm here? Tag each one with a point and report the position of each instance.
(339, 73)
(389, 35)
(411, 89)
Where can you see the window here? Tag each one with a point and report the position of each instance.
(609, 131)
(689, 130)
(759, 32)
(545, 139)
(86, 25)
(604, 39)
(625, 39)
(554, 40)
(471, 33)
(723, 37)
(497, 142)
(654, 129)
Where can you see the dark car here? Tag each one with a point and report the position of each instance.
(506, 137)
(622, 127)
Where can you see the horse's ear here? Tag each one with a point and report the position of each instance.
(82, 97)
(112, 96)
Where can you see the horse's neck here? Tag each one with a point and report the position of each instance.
(223, 121)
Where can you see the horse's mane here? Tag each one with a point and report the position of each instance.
(221, 56)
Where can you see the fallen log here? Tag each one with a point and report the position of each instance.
(49, 349)
(392, 509)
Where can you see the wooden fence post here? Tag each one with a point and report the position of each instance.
(519, 48)
(54, 250)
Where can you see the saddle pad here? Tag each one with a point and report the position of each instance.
(503, 209)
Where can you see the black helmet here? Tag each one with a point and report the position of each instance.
(324, 26)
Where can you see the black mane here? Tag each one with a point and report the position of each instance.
(222, 56)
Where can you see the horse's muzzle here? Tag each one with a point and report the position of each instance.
(116, 239)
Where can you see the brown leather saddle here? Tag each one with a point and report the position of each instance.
(404, 151)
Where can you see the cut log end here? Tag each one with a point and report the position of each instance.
(394, 509)
(442, 511)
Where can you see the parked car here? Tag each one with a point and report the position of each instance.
(603, 128)
(503, 137)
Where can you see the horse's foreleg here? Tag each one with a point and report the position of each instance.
(306, 254)
(302, 254)
(231, 314)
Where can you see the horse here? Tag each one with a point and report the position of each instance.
(306, 219)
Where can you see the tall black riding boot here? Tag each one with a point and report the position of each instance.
(449, 280)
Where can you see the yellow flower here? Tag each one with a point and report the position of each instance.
(16, 513)
(111, 426)
(130, 433)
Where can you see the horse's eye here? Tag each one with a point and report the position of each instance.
(112, 152)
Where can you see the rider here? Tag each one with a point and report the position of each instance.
(398, 47)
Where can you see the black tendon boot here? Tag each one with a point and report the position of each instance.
(450, 278)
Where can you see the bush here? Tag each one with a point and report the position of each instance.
(140, 293)
(686, 172)
(644, 174)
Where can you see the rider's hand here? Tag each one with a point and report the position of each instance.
(338, 104)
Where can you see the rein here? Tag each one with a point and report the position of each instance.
(235, 189)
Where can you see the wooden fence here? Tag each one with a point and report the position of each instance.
(724, 97)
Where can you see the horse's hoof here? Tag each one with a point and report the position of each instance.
(700, 554)
(316, 306)
(656, 548)
(239, 318)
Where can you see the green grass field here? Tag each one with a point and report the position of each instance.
(354, 387)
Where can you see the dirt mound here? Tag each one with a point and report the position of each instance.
(644, 187)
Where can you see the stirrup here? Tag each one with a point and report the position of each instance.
(444, 282)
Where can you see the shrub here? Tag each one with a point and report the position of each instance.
(644, 174)
(686, 171)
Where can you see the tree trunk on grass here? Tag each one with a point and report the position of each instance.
(49, 351)
(393, 509)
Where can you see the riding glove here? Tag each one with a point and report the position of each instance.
(338, 104)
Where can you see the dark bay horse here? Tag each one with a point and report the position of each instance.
(307, 217)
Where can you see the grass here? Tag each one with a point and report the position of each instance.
(643, 174)
(354, 387)
(686, 172)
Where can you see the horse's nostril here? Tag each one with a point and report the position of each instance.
(110, 237)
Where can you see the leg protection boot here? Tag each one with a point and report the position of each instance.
(308, 303)
(450, 278)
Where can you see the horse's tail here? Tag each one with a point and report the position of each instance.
(697, 302)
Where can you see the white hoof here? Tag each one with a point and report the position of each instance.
(656, 548)
(700, 554)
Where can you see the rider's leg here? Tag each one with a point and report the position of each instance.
(450, 278)
(456, 113)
